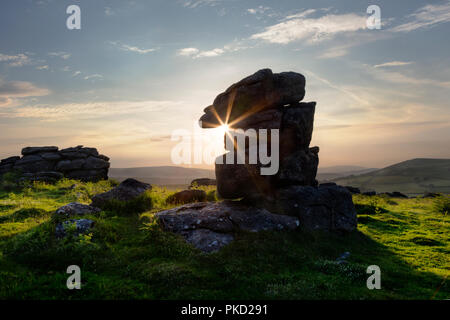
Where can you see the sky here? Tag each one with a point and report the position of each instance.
(138, 71)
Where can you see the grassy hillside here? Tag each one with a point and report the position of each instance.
(334, 172)
(166, 175)
(128, 256)
(412, 177)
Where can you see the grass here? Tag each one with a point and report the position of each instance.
(128, 256)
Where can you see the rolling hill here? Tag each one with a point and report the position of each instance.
(334, 172)
(165, 175)
(414, 176)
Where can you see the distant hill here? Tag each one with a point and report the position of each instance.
(334, 172)
(166, 175)
(414, 176)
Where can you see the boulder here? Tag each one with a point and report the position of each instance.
(50, 156)
(260, 91)
(32, 150)
(370, 193)
(211, 225)
(76, 209)
(128, 190)
(33, 163)
(297, 127)
(326, 208)
(353, 190)
(96, 163)
(10, 160)
(82, 226)
(202, 182)
(187, 196)
(70, 165)
(44, 176)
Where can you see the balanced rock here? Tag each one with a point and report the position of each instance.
(128, 190)
(260, 91)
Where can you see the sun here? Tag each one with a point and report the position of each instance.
(224, 128)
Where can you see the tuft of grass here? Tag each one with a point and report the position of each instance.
(442, 204)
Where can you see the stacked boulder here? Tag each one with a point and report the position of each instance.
(267, 100)
(50, 164)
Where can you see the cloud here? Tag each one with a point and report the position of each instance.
(91, 110)
(192, 4)
(196, 53)
(46, 67)
(93, 76)
(17, 60)
(187, 52)
(427, 16)
(9, 90)
(258, 10)
(109, 12)
(298, 27)
(334, 52)
(76, 73)
(392, 64)
(400, 78)
(135, 49)
(60, 54)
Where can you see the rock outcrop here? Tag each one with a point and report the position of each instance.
(50, 164)
(202, 182)
(271, 101)
(209, 226)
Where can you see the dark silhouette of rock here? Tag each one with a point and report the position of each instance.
(370, 193)
(187, 196)
(128, 190)
(76, 209)
(74, 163)
(395, 194)
(353, 190)
(327, 207)
(260, 91)
(209, 225)
(32, 150)
(430, 195)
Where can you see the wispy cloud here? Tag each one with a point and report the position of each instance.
(9, 90)
(76, 73)
(45, 67)
(17, 60)
(93, 76)
(427, 16)
(392, 64)
(135, 49)
(109, 11)
(60, 54)
(90, 110)
(196, 53)
(199, 3)
(299, 27)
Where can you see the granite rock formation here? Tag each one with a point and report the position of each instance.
(51, 164)
(271, 101)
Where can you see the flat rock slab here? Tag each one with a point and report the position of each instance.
(211, 225)
(76, 209)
